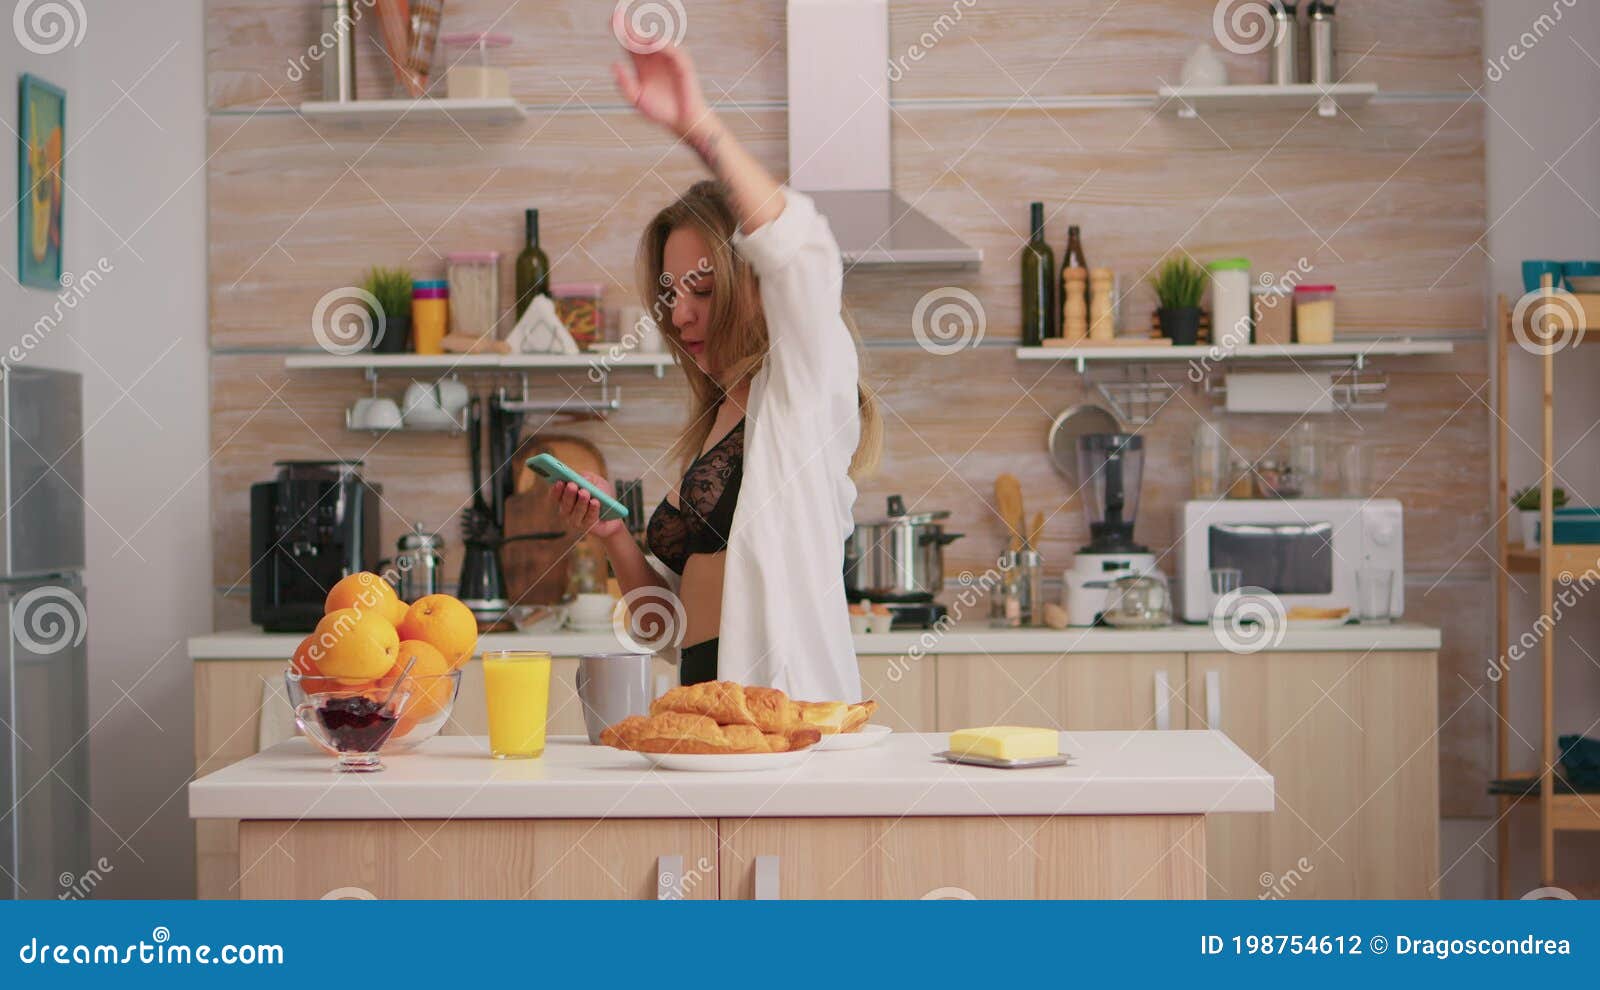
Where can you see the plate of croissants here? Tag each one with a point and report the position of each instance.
(723, 726)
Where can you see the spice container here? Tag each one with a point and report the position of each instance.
(430, 315)
(474, 292)
(1319, 31)
(1030, 588)
(1230, 301)
(470, 76)
(1313, 314)
(1284, 68)
(1274, 315)
(578, 305)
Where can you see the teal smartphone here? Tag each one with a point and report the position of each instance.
(550, 468)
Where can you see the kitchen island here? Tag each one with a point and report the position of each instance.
(1125, 819)
(1345, 719)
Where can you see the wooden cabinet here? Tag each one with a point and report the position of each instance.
(904, 689)
(1088, 691)
(1349, 739)
(1134, 856)
(541, 859)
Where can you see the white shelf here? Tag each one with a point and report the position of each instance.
(459, 111)
(1194, 101)
(443, 363)
(1243, 352)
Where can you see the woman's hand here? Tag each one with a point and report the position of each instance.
(662, 84)
(581, 511)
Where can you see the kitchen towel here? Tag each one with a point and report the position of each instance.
(1280, 392)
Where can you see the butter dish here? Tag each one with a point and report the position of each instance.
(974, 759)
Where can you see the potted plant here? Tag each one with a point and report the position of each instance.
(1179, 284)
(392, 288)
(1526, 501)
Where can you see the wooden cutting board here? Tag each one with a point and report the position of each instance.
(536, 564)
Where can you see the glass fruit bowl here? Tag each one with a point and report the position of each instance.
(351, 723)
(432, 697)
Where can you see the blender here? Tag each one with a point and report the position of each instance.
(1109, 469)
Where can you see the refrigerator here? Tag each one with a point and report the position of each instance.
(44, 745)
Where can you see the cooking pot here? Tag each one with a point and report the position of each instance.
(899, 558)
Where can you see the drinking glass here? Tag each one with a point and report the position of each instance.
(516, 685)
(1224, 581)
(1374, 591)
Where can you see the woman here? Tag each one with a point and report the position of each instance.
(749, 278)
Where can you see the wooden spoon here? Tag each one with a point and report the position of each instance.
(1008, 502)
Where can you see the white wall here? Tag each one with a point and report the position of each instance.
(1543, 161)
(135, 171)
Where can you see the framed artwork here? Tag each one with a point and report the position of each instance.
(41, 129)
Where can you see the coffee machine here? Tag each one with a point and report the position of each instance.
(1110, 467)
(316, 522)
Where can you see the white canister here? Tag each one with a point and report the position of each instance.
(1230, 301)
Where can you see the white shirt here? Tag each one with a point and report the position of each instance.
(785, 621)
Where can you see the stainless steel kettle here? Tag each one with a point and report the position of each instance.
(419, 560)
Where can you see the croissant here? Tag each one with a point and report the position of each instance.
(826, 717)
(722, 701)
(772, 710)
(857, 716)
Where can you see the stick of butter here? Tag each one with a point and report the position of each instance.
(1006, 742)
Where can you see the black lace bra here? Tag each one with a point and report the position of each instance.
(703, 517)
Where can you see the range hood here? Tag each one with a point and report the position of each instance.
(839, 137)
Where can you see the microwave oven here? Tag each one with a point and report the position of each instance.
(1304, 551)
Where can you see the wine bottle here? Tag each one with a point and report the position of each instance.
(1039, 317)
(1072, 258)
(533, 267)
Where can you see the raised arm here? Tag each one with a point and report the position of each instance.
(662, 84)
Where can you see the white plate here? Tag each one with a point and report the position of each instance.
(725, 762)
(870, 735)
(1319, 623)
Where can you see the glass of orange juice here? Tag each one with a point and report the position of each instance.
(516, 684)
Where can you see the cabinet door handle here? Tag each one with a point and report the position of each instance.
(1214, 699)
(669, 878)
(1163, 702)
(767, 879)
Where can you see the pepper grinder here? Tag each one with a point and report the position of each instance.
(1075, 317)
(1285, 66)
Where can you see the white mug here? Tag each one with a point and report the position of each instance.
(372, 413)
(453, 395)
(591, 610)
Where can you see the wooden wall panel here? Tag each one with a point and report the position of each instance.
(1388, 204)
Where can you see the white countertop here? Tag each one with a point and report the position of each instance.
(966, 637)
(1112, 773)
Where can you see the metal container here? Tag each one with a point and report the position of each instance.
(899, 558)
(1284, 69)
(419, 560)
(339, 53)
(1320, 41)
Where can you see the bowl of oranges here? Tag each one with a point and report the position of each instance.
(366, 641)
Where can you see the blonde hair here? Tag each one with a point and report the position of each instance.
(736, 338)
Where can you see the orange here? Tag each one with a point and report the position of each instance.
(430, 690)
(353, 645)
(305, 664)
(395, 611)
(443, 623)
(365, 591)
